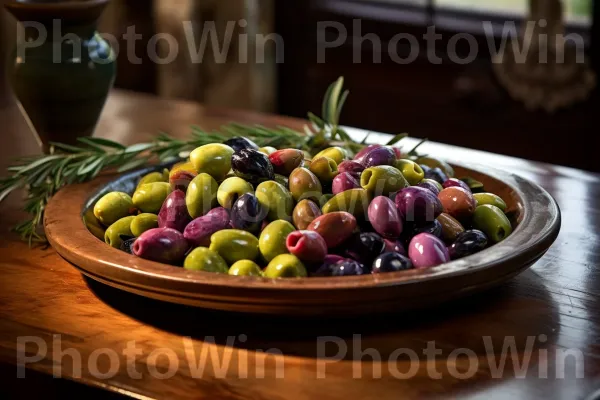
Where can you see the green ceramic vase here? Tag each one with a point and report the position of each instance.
(61, 81)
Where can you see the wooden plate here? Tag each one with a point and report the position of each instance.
(537, 220)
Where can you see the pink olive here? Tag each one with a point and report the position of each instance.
(426, 250)
(199, 231)
(344, 181)
(384, 217)
(164, 245)
(173, 213)
(307, 245)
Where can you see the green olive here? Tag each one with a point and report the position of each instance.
(272, 239)
(435, 163)
(277, 199)
(154, 177)
(213, 159)
(234, 245)
(492, 221)
(474, 185)
(150, 196)
(282, 180)
(353, 201)
(337, 154)
(231, 189)
(112, 207)
(411, 171)
(285, 266)
(382, 180)
(304, 213)
(268, 150)
(112, 236)
(305, 185)
(245, 268)
(92, 223)
(490, 198)
(201, 195)
(205, 259)
(324, 168)
(143, 222)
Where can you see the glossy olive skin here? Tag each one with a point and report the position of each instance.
(307, 245)
(286, 160)
(92, 224)
(490, 198)
(451, 227)
(334, 227)
(391, 262)
(245, 268)
(344, 181)
(304, 184)
(113, 233)
(383, 155)
(467, 243)
(199, 231)
(364, 247)
(204, 259)
(353, 167)
(435, 163)
(394, 246)
(201, 195)
(359, 157)
(164, 245)
(234, 245)
(384, 217)
(427, 251)
(252, 165)
(493, 222)
(232, 189)
(411, 171)
(154, 177)
(431, 185)
(267, 150)
(285, 266)
(174, 213)
(248, 214)
(214, 159)
(342, 268)
(417, 204)
(304, 213)
(282, 180)
(239, 143)
(474, 185)
(112, 207)
(150, 196)
(382, 180)
(353, 201)
(272, 241)
(275, 198)
(143, 222)
(434, 228)
(436, 174)
(324, 168)
(181, 175)
(456, 182)
(337, 154)
(457, 202)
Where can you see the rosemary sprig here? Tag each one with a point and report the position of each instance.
(42, 176)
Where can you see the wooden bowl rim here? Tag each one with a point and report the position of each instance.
(70, 237)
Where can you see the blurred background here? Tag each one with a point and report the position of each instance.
(471, 105)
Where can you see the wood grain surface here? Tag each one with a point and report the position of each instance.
(550, 313)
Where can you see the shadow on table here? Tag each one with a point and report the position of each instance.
(520, 308)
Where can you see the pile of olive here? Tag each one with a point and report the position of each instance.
(238, 209)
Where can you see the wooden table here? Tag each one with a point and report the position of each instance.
(547, 315)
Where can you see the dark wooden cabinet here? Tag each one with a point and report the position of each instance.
(448, 102)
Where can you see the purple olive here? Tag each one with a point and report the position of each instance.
(353, 167)
(361, 154)
(239, 143)
(342, 268)
(164, 245)
(364, 247)
(467, 243)
(417, 204)
(425, 250)
(344, 181)
(434, 228)
(174, 213)
(199, 231)
(437, 175)
(384, 217)
(380, 156)
(456, 182)
(391, 262)
(248, 214)
(394, 247)
(431, 185)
